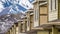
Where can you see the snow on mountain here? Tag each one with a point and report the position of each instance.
(11, 11)
(16, 5)
(30, 1)
(9, 20)
(26, 4)
(1, 7)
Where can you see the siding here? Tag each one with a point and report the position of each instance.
(43, 10)
(43, 14)
(31, 21)
(42, 32)
(43, 19)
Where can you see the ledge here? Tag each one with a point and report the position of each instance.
(50, 25)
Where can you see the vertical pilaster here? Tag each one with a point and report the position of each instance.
(24, 26)
(28, 21)
(10, 31)
(14, 29)
(19, 27)
(7, 33)
(54, 30)
(36, 13)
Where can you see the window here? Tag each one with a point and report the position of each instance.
(21, 27)
(36, 18)
(55, 4)
(25, 26)
(52, 4)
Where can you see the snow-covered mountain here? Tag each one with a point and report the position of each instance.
(6, 21)
(11, 11)
(16, 5)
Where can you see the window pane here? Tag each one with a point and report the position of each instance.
(55, 4)
(51, 4)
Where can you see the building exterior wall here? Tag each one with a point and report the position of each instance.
(43, 9)
(42, 32)
(36, 14)
(43, 14)
(31, 21)
(59, 9)
(53, 10)
(43, 19)
(16, 30)
(28, 21)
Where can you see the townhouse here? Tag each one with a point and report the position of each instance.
(44, 18)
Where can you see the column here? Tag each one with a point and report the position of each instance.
(24, 26)
(10, 31)
(7, 32)
(54, 30)
(36, 14)
(14, 29)
(28, 21)
(19, 27)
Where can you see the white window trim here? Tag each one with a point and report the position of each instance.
(53, 5)
(36, 18)
(54, 11)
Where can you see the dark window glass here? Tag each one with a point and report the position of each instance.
(51, 4)
(55, 4)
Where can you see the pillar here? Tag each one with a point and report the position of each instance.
(10, 31)
(54, 30)
(14, 29)
(28, 21)
(7, 32)
(19, 27)
(24, 26)
(36, 14)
